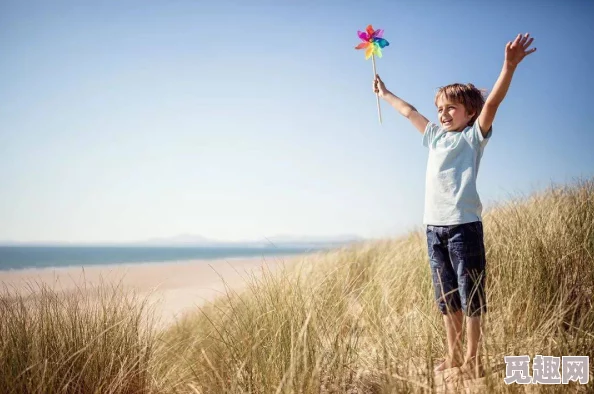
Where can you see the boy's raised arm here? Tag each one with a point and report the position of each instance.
(515, 52)
(405, 109)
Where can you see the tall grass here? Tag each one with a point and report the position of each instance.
(95, 340)
(362, 319)
(356, 320)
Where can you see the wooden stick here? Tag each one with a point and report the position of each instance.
(379, 110)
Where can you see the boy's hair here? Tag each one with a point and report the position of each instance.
(468, 95)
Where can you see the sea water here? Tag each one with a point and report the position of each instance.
(20, 257)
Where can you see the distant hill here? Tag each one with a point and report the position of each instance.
(285, 241)
(277, 241)
(182, 239)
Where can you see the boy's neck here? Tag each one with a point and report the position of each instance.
(461, 129)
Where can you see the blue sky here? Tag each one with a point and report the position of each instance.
(126, 120)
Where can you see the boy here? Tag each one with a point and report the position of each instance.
(452, 205)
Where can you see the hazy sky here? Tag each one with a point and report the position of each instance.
(126, 120)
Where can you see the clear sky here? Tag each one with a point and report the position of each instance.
(126, 120)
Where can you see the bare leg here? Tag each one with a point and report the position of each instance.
(472, 366)
(453, 326)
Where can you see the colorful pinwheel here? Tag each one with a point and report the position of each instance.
(373, 42)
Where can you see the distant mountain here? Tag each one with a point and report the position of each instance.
(182, 239)
(275, 241)
(313, 240)
(286, 241)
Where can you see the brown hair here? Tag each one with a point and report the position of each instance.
(468, 95)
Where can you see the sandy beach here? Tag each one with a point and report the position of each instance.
(172, 287)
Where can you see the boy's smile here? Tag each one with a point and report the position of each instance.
(452, 116)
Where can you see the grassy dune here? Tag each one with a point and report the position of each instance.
(356, 320)
(87, 341)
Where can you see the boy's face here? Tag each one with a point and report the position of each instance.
(452, 116)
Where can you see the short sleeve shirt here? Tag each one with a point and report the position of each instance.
(454, 158)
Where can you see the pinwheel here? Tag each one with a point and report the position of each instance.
(373, 43)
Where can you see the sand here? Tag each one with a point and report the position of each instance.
(172, 288)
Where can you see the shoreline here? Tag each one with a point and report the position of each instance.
(151, 262)
(173, 287)
(267, 253)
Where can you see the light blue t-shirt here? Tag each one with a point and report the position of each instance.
(452, 167)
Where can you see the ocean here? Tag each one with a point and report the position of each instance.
(20, 257)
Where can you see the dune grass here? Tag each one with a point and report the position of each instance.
(91, 340)
(356, 320)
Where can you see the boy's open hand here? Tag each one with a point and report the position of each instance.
(378, 86)
(517, 50)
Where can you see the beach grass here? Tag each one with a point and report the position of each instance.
(360, 319)
(88, 340)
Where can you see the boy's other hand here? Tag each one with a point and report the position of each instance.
(517, 50)
(378, 86)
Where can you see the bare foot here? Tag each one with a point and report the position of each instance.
(446, 364)
(471, 369)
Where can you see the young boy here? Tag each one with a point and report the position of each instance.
(452, 205)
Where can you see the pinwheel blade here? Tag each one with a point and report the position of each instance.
(381, 42)
(378, 33)
(362, 35)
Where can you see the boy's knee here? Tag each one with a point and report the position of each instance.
(449, 303)
(475, 312)
(475, 305)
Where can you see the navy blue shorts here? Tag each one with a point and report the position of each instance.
(457, 258)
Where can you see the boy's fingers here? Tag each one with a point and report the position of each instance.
(517, 40)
